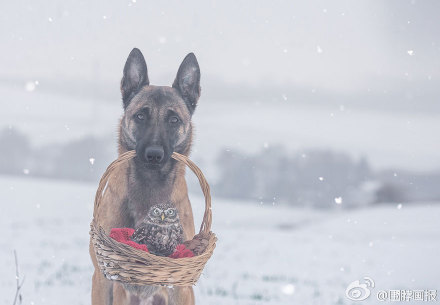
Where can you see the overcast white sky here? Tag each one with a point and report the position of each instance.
(383, 56)
(339, 45)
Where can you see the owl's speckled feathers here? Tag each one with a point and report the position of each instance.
(160, 230)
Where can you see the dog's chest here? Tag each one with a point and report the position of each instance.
(139, 203)
(136, 212)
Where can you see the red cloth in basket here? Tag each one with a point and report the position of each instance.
(123, 235)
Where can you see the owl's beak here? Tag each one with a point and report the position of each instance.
(162, 216)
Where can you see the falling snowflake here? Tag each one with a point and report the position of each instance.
(50, 19)
(288, 289)
(30, 86)
(399, 206)
(266, 145)
(92, 160)
(410, 52)
(319, 49)
(338, 200)
(26, 171)
(321, 178)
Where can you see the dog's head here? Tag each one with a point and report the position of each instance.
(157, 119)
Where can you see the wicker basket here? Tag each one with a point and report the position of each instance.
(126, 264)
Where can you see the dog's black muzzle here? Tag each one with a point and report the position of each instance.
(153, 156)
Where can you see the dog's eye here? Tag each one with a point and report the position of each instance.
(140, 116)
(174, 120)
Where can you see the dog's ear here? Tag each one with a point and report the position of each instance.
(135, 76)
(187, 81)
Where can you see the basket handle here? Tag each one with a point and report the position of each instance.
(207, 217)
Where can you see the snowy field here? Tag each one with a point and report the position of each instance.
(265, 255)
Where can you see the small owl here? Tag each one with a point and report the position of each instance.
(160, 230)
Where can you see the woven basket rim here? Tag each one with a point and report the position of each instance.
(149, 255)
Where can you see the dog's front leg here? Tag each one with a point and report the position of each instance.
(102, 289)
(181, 295)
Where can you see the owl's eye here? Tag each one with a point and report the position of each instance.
(170, 212)
(156, 212)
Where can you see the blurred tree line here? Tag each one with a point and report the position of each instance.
(318, 178)
(313, 178)
(84, 159)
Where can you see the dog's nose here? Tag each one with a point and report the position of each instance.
(154, 154)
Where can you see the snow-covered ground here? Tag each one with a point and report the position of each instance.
(266, 254)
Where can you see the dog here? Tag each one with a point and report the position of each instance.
(156, 122)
